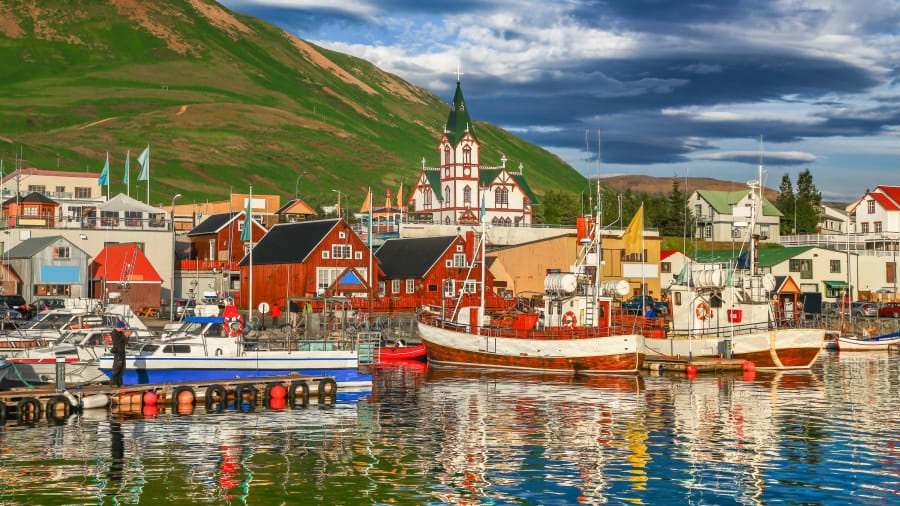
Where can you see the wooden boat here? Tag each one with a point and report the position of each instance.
(883, 342)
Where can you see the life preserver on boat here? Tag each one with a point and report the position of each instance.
(234, 326)
(28, 410)
(703, 311)
(569, 320)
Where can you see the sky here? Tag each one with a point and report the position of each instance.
(699, 88)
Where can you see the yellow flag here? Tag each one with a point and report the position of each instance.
(367, 204)
(400, 197)
(632, 238)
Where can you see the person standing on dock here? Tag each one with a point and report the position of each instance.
(119, 340)
(276, 312)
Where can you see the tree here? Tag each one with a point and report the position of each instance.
(809, 198)
(785, 203)
(672, 222)
(559, 208)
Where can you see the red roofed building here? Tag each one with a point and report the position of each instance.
(878, 211)
(671, 262)
(123, 269)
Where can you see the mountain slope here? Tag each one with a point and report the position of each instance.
(224, 100)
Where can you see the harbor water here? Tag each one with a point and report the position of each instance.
(428, 435)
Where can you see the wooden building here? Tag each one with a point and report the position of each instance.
(122, 274)
(32, 210)
(432, 271)
(49, 266)
(218, 237)
(307, 259)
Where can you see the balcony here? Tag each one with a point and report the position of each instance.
(207, 265)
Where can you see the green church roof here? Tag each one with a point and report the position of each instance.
(458, 122)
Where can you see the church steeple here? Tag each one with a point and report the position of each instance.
(459, 122)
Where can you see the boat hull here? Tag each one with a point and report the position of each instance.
(43, 370)
(881, 343)
(613, 354)
(140, 370)
(777, 349)
(401, 353)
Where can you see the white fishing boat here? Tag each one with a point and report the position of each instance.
(869, 343)
(210, 348)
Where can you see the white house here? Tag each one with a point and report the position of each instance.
(723, 216)
(671, 262)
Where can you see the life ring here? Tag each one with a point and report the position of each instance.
(215, 395)
(327, 388)
(53, 404)
(28, 410)
(304, 394)
(240, 393)
(569, 320)
(703, 311)
(234, 326)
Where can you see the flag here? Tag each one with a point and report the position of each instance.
(104, 176)
(483, 209)
(127, 161)
(144, 160)
(400, 197)
(634, 234)
(367, 205)
(246, 234)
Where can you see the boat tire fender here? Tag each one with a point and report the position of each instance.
(215, 394)
(22, 409)
(246, 390)
(4, 412)
(327, 388)
(303, 397)
(53, 404)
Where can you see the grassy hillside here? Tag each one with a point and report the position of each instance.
(224, 100)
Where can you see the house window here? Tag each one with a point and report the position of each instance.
(871, 206)
(395, 286)
(697, 209)
(325, 277)
(803, 266)
(467, 196)
(665, 267)
(326, 254)
(432, 287)
(61, 252)
(342, 235)
(381, 286)
(865, 228)
(426, 197)
(30, 211)
(835, 265)
(341, 251)
(459, 260)
(877, 227)
(501, 197)
(447, 196)
(707, 231)
(82, 193)
(133, 218)
(410, 286)
(448, 288)
(459, 248)
(736, 232)
(60, 190)
(467, 154)
(37, 188)
(470, 286)
(447, 156)
(890, 272)
(357, 255)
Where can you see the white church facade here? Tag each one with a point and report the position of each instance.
(461, 189)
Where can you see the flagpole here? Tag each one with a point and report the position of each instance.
(127, 174)
(369, 241)
(250, 224)
(148, 174)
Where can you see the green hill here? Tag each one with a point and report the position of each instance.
(224, 100)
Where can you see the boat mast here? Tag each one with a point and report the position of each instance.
(596, 239)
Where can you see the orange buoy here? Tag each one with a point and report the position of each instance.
(185, 397)
(749, 375)
(277, 402)
(150, 410)
(691, 370)
(278, 392)
(749, 366)
(186, 408)
(150, 398)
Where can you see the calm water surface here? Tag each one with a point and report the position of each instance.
(449, 436)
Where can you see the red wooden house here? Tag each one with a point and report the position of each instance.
(218, 237)
(433, 271)
(122, 274)
(308, 259)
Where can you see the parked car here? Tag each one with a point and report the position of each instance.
(184, 307)
(863, 308)
(45, 303)
(889, 310)
(17, 302)
(637, 303)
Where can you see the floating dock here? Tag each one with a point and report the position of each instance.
(30, 405)
(699, 364)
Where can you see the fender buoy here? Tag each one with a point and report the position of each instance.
(28, 410)
(246, 391)
(275, 391)
(183, 396)
(327, 388)
(58, 408)
(569, 320)
(216, 395)
(703, 311)
(304, 394)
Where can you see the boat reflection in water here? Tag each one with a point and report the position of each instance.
(457, 435)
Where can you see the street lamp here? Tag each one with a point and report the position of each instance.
(339, 202)
(174, 258)
(296, 194)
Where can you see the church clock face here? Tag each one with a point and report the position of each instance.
(467, 172)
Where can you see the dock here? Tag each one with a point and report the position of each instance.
(700, 365)
(30, 405)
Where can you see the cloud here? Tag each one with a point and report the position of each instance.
(766, 157)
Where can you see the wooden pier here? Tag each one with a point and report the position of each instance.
(700, 365)
(30, 405)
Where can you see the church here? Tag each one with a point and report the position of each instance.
(461, 190)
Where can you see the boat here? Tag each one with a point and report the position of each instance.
(882, 342)
(80, 350)
(401, 352)
(572, 333)
(216, 348)
(725, 311)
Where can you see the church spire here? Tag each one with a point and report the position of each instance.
(458, 123)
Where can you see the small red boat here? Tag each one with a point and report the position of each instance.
(393, 353)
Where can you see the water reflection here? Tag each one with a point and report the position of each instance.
(456, 436)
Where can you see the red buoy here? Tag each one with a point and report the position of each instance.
(185, 397)
(150, 410)
(691, 370)
(150, 398)
(749, 366)
(278, 392)
(277, 403)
